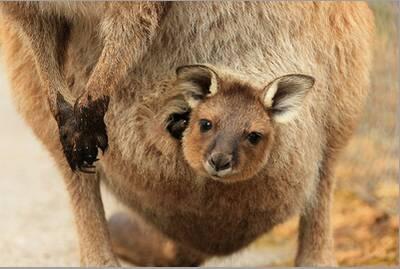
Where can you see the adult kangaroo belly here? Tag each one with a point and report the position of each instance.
(213, 233)
(209, 216)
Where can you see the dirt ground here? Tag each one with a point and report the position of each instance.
(37, 227)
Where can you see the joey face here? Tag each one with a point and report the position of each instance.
(231, 128)
(228, 137)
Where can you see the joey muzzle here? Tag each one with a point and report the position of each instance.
(219, 164)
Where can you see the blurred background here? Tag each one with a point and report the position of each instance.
(37, 229)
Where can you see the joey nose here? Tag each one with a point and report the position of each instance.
(220, 161)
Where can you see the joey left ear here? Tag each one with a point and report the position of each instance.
(196, 82)
(284, 96)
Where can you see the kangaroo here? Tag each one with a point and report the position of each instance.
(126, 30)
(244, 134)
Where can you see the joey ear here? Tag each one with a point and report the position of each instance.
(284, 96)
(196, 82)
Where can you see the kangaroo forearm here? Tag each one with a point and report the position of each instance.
(48, 46)
(126, 40)
(49, 60)
(47, 38)
(126, 31)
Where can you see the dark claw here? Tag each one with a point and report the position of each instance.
(86, 171)
(86, 165)
(87, 168)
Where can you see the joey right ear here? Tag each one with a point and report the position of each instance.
(284, 96)
(196, 82)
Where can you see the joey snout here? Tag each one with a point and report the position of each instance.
(219, 164)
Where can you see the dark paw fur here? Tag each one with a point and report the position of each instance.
(82, 132)
(177, 124)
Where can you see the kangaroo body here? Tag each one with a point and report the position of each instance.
(145, 166)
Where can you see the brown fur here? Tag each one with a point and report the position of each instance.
(145, 168)
(126, 31)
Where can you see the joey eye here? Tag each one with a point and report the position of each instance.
(205, 125)
(254, 137)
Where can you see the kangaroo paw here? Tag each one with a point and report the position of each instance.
(82, 132)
